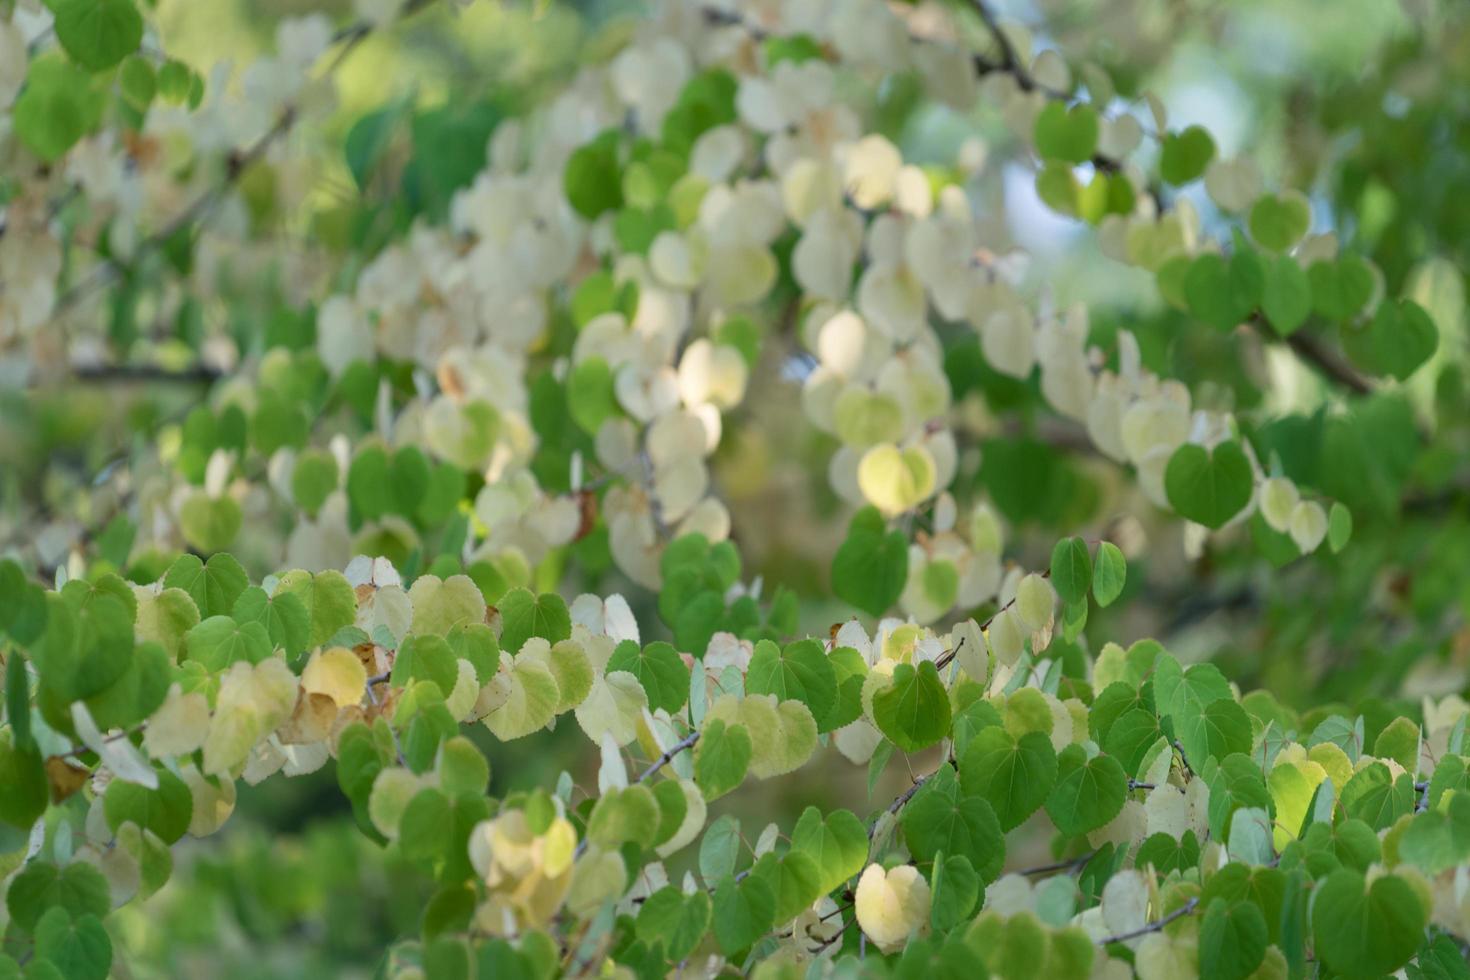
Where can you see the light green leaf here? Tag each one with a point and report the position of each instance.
(914, 709)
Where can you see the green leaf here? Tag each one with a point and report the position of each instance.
(210, 524)
(57, 107)
(1232, 940)
(871, 566)
(23, 775)
(1223, 292)
(78, 888)
(137, 82)
(284, 617)
(593, 179)
(800, 671)
(1219, 730)
(1089, 792)
(743, 912)
(721, 757)
(1110, 574)
(1339, 527)
(1375, 797)
(1278, 222)
(1286, 296)
(720, 848)
(1014, 775)
(1071, 569)
(956, 889)
(166, 810)
(660, 670)
(914, 709)
(1366, 931)
(838, 843)
(214, 585)
(1186, 155)
(98, 33)
(1068, 134)
(1340, 289)
(677, 920)
(524, 615)
(313, 478)
(796, 880)
(590, 397)
(219, 641)
(78, 947)
(1209, 487)
(942, 818)
(1399, 338)
(137, 693)
(329, 600)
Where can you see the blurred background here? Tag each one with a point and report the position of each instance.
(1363, 104)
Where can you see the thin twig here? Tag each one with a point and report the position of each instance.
(236, 165)
(1179, 913)
(949, 655)
(1067, 865)
(668, 756)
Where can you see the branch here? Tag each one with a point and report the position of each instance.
(1311, 349)
(236, 164)
(1070, 864)
(1179, 913)
(897, 804)
(668, 756)
(153, 373)
(948, 656)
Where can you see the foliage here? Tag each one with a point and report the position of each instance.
(468, 475)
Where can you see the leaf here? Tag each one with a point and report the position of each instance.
(1109, 575)
(871, 566)
(1220, 729)
(23, 775)
(78, 889)
(957, 889)
(800, 672)
(1223, 292)
(439, 605)
(524, 615)
(214, 585)
(1366, 931)
(78, 948)
(721, 758)
(1232, 940)
(98, 33)
(219, 641)
(166, 810)
(1279, 221)
(1286, 296)
(1071, 569)
(1089, 792)
(283, 615)
(1399, 338)
(660, 670)
(676, 920)
(1066, 133)
(837, 842)
(530, 705)
(914, 709)
(743, 912)
(720, 848)
(1186, 155)
(56, 109)
(593, 179)
(1209, 487)
(942, 818)
(328, 598)
(1014, 775)
(1340, 289)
